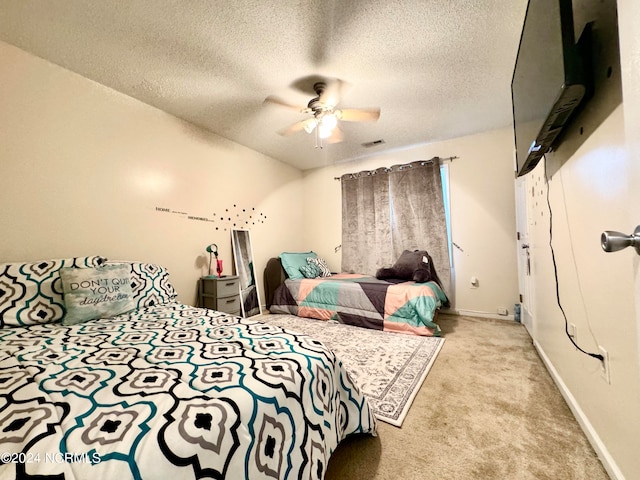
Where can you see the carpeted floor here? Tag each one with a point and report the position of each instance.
(487, 410)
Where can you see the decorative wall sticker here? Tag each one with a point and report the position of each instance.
(169, 210)
(235, 217)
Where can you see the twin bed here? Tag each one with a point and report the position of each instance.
(163, 390)
(394, 305)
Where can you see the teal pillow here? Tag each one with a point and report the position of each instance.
(310, 270)
(91, 293)
(292, 262)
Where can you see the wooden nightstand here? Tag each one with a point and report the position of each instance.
(222, 294)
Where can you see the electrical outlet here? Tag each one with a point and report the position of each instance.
(503, 311)
(604, 365)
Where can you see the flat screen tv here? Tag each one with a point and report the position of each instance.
(549, 79)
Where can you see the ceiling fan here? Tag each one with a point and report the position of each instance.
(324, 114)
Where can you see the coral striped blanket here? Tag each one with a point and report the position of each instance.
(364, 301)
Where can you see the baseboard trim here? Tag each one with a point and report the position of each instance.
(608, 462)
(475, 313)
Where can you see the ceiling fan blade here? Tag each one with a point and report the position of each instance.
(332, 93)
(278, 101)
(359, 114)
(336, 136)
(291, 129)
(309, 124)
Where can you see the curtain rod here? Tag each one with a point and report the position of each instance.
(423, 162)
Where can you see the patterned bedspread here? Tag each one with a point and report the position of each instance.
(365, 301)
(172, 392)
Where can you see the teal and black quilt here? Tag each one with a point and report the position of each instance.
(175, 392)
(364, 301)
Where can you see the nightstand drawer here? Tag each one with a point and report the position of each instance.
(229, 305)
(228, 287)
(222, 294)
(220, 287)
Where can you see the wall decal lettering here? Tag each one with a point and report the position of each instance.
(231, 218)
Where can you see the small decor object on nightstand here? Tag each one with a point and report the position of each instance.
(213, 249)
(219, 267)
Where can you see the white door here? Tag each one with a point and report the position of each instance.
(524, 254)
(628, 18)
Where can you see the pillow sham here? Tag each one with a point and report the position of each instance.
(31, 293)
(91, 293)
(293, 261)
(325, 271)
(310, 270)
(149, 282)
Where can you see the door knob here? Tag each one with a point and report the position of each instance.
(614, 241)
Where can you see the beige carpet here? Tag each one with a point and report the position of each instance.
(487, 410)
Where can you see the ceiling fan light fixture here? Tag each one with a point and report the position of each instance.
(326, 124)
(329, 121)
(325, 117)
(324, 132)
(309, 125)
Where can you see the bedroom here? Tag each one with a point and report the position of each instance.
(95, 165)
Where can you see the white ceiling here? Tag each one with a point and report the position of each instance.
(437, 69)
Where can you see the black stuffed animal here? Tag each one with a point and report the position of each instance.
(416, 266)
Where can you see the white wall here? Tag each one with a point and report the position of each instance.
(588, 194)
(83, 168)
(482, 214)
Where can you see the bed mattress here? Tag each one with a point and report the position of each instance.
(172, 391)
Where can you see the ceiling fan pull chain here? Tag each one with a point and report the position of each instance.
(318, 139)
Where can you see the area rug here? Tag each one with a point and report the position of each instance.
(388, 367)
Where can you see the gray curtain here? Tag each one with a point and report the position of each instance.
(418, 219)
(366, 226)
(390, 210)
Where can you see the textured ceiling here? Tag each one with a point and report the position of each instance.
(437, 69)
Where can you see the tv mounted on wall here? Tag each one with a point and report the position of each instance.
(549, 79)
